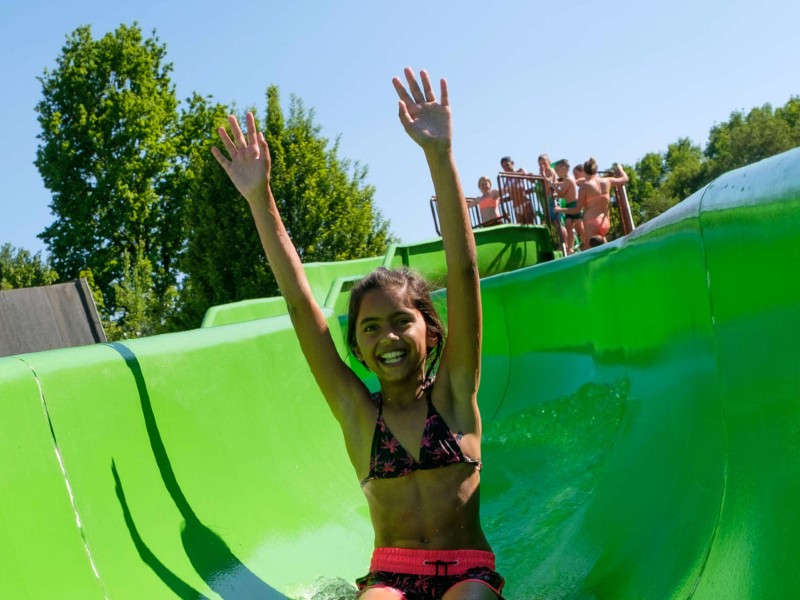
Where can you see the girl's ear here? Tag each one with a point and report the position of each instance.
(360, 357)
(432, 339)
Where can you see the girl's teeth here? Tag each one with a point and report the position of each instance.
(391, 357)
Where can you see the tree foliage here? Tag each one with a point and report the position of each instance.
(745, 139)
(136, 292)
(19, 268)
(223, 261)
(659, 180)
(325, 204)
(143, 210)
(324, 201)
(108, 115)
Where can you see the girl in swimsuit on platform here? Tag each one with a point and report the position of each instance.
(488, 203)
(595, 200)
(415, 445)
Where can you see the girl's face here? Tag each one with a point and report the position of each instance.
(391, 336)
(485, 185)
(561, 171)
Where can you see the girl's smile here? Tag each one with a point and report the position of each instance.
(391, 358)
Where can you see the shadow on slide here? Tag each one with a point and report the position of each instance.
(210, 556)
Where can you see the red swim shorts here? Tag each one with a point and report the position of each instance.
(428, 574)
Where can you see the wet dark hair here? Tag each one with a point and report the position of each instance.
(590, 167)
(596, 240)
(563, 163)
(417, 291)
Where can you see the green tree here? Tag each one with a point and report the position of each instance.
(660, 180)
(324, 201)
(645, 179)
(19, 268)
(745, 139)
(223, 261)
(134, 291)
(790, 113)
(108, 114)
(684, 168)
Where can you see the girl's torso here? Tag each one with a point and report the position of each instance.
(489, 207)
(434, 503)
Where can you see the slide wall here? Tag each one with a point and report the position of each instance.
(641, 407)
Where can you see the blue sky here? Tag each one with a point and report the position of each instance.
(610, 80)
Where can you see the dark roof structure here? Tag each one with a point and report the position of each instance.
(48, 317)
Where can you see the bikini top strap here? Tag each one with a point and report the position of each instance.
(428, 389)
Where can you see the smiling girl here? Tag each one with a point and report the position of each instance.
(414, 445)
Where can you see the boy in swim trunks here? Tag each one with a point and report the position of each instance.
(547, 171)
(568, 190)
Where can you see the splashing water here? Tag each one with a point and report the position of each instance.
(541, 467)
(326, 588)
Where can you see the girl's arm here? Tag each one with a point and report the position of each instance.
(620, 178)
(249, 170)
(429, 124)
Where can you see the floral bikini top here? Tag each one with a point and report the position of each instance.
(438, 448)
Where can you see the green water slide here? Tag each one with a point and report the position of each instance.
(641, 407)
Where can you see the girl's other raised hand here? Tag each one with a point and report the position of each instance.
(249, 165)
(424, 119)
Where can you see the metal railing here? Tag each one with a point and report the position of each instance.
(524, 201)
(474, 215)
(527, 197)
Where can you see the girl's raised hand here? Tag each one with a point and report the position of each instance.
(250, 162)
(425, 120)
